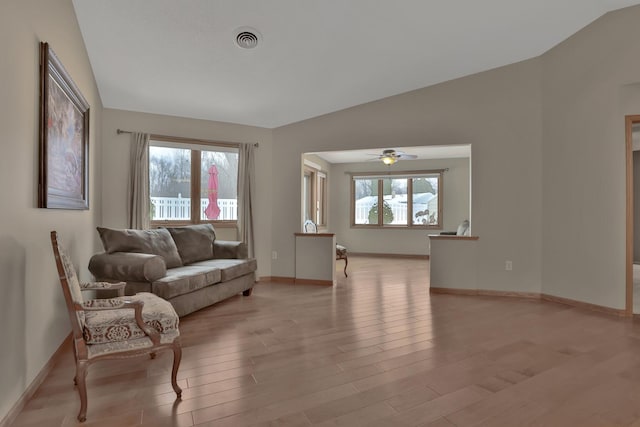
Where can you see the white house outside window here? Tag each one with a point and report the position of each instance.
(405, 199)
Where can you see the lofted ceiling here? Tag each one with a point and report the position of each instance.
(314, 57)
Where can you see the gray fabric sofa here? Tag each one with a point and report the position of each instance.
(186, 266)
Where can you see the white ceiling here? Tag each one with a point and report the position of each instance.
(315, 57)
(423, 153)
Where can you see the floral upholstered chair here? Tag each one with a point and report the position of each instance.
(115, 328)
(341, 251)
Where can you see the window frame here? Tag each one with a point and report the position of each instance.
(317, 198)
(195, 176)
(409, 176)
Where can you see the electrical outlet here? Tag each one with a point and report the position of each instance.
(508, 265)
(274, 255)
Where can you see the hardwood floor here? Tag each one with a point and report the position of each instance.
(374, 350)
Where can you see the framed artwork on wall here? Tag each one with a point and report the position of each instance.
(64, 137)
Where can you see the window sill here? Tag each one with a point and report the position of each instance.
(451, 237)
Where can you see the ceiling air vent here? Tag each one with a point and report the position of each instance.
(247, 38)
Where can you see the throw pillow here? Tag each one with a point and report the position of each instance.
(157, 242)
(194, 242)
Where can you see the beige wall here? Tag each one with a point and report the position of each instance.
(589, 84)
(32, 309)
(497, 112)
(393, 240)
(115, 162)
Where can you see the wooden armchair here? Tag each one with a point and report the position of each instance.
(341, 251)
(115, 328)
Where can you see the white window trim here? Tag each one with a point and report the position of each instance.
(398, 175)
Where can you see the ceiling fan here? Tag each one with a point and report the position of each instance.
(390, 156)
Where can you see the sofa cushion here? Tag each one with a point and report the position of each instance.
(157, 242)
(229, 249)
(194, 242)
(230, 268)
(120, 325)
(127, 266)
(182, 280)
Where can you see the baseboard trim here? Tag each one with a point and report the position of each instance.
(293, 281)
(379, 255)
(453, 291)
(280, 279)
(532, 295)
(485, 292)
(585, 305)
(36, 383)
(314, 282)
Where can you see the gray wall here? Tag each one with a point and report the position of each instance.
(497, 112)
(32, 310)
(589, 83)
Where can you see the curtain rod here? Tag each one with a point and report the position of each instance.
(385, 174)
(120, 131)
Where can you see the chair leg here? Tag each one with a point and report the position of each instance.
(75, 357)
(346, 262)
(177, 357)
(152, 355)
(81, 375)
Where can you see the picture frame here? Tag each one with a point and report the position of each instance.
(63, 137)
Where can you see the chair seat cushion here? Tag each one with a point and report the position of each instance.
(341, 251)
(109, 326)
(137, 344)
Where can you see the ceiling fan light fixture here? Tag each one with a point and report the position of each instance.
(388, 160)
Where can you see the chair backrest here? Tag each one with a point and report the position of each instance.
(70, 285)
(463, 228)
(310, 227)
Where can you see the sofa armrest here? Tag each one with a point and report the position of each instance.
(227, 249)
(127, 267)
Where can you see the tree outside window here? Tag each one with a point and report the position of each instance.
(397, 200)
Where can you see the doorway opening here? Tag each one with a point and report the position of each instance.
(632, 261)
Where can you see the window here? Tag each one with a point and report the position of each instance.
(314, 195)
(192, 182)
(405, 199)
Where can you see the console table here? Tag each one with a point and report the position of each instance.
(453, 262)
(316, 258)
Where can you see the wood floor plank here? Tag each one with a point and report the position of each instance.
(376, 349)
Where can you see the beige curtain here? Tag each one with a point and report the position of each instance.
(138, 202)
(246, 188)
